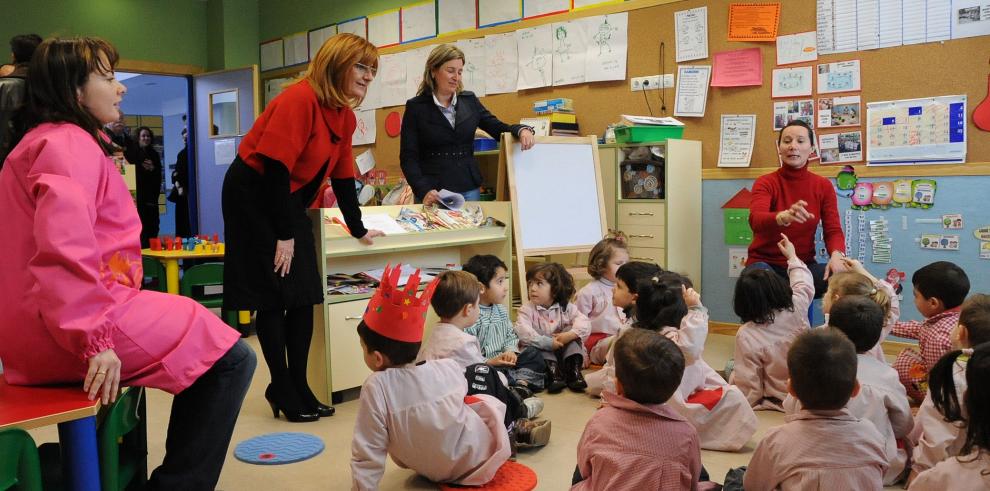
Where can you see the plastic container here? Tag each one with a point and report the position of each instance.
(641, 134)
(484, 144)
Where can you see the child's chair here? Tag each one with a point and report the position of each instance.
(154, 271)
(207, 274)
(122, 439)
(20, 467)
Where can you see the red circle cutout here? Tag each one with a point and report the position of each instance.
(393, 124)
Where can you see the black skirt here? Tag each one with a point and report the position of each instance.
(249, 278)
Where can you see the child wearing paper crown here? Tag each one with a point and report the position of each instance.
(418, 413)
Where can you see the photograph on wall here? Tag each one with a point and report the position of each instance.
(834, 112)
(786, 111)
(841, 147)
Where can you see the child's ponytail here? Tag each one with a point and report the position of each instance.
(853, 283)
(660, 301)
(977, 400)
(943, 386)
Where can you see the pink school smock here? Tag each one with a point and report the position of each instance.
(71, 274)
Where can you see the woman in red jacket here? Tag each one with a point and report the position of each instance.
(794, 200)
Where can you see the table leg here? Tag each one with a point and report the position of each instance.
(172, 275)
(80, 456)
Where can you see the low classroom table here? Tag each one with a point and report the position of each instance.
(67, 406)
(171, 261)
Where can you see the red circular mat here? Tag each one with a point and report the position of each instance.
(512, 476)
(393, 124)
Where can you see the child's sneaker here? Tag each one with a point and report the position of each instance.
(534, 406)
(532, 433)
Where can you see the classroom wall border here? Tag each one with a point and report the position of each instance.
(159, 68)
(970, 169)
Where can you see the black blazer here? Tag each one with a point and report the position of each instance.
(434, 155)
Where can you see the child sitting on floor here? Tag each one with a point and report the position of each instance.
(498, 340)
(939, 289)
(856, 280)
(419, 413)
(773, 313)
(823, 446)
(594, 300)
(552, 323)
(937, 437)
(970, 469)
(635, 441)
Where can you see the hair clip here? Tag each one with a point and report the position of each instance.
(616, 235)
(655, 280)
(873, 291)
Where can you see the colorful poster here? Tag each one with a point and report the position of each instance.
(839, 77)
(738, 68)
(841, 148)
(834, 112)
(691, 28)
(930, 130)
(940, 242)
(735, 147)
(791, 82)
(786, 111)
(753, 21)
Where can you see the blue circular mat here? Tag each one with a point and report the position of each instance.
(278, 448)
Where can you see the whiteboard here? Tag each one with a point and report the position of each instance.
(556, 193)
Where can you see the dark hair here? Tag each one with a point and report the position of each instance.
(484, 267)
(633, 271)
(660, 302)
(801, 123)
(561, 282)
(648, 365)
(23, 46)
(59, 68)
(860, 319)
(975, 315)
(397, 352)
(976, 399)
(601, 253)
(759, 294)
(454, 290)
(942, 280)
(145, 128)
(822, 367)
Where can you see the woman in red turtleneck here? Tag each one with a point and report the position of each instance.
(793, 200)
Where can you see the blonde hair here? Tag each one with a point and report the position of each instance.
(327, 72)
(853, 283)
(440, 55)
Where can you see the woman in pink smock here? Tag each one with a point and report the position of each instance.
(72, 309)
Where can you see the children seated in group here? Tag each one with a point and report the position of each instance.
(773, 313)
(937, 436)
(498, 340)
(594, 300)
(939, 289)
(551, 322)
(635, 441)
(624, 296)
(823, 446)
(856, 280)
(881, 399)
(419, 413)
(969, 467)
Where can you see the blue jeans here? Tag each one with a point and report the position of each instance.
(472, 195)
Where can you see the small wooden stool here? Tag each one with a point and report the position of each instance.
(512, 476)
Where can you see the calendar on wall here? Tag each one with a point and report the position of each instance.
(916, 131)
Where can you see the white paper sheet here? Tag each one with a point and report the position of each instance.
(392, 75)
(358, 27)
(841, 147)
(319, 36)
(842, 76)
(737, 261)
(938, 20)
(296, 49)
(929, 130)
(494, 12)
(373, 96)
(535, 45)
(387, 224)
(419, 21)
(867, 24)
(536, 8)
(890, 23)
(791, 82)
(797, 48)
(384, 29)
(365, 162)
(473, 76)
(844, 26)
(825, 34)
(735, 148)
(570, 47)
(415, 66)
(366, 129)
(914, 27)
(456, 16)
(840, 111)
(271, 55)
(583, 4)
(691, 28)
(608, 41)
(970, 18)
(692, 90)
(274, 87)
(224, 151)
(501, 65)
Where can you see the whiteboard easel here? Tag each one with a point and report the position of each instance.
(558, 206)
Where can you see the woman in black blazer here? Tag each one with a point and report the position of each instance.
(437, 147)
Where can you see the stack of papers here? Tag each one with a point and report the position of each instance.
(404, 275)
(648, 121)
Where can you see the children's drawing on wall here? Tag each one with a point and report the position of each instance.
(606, 42)
(839, 77)
(786, 111)
(535, 47)
(473, 77)
(603, 36)
(839, 111)
(791, 82)
(364, 132)
(570, 46)
(737, 260)
(841, 147)
(561, 45)
(501, 66)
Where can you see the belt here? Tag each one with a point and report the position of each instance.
(450, 154)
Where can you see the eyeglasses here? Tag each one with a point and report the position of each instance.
(365, 69)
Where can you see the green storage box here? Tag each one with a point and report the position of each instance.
(647, 134)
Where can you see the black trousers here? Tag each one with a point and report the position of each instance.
(148, 213)
(202, 422)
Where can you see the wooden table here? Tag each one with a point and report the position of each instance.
(171, 261)
(68, 407)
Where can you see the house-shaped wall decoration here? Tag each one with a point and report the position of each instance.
(736, 213)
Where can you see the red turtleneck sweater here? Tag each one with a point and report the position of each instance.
(777, 191)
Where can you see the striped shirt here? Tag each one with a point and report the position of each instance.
(494, 331)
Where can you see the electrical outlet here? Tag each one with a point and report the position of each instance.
(668, 81)
(651, 82)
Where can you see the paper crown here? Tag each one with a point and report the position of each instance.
(399, 314)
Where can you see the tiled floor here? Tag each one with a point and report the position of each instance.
(554, 464)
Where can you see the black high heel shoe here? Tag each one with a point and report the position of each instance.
(324, 411)
(301, 416)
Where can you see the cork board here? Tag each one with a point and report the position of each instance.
(924, 70)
